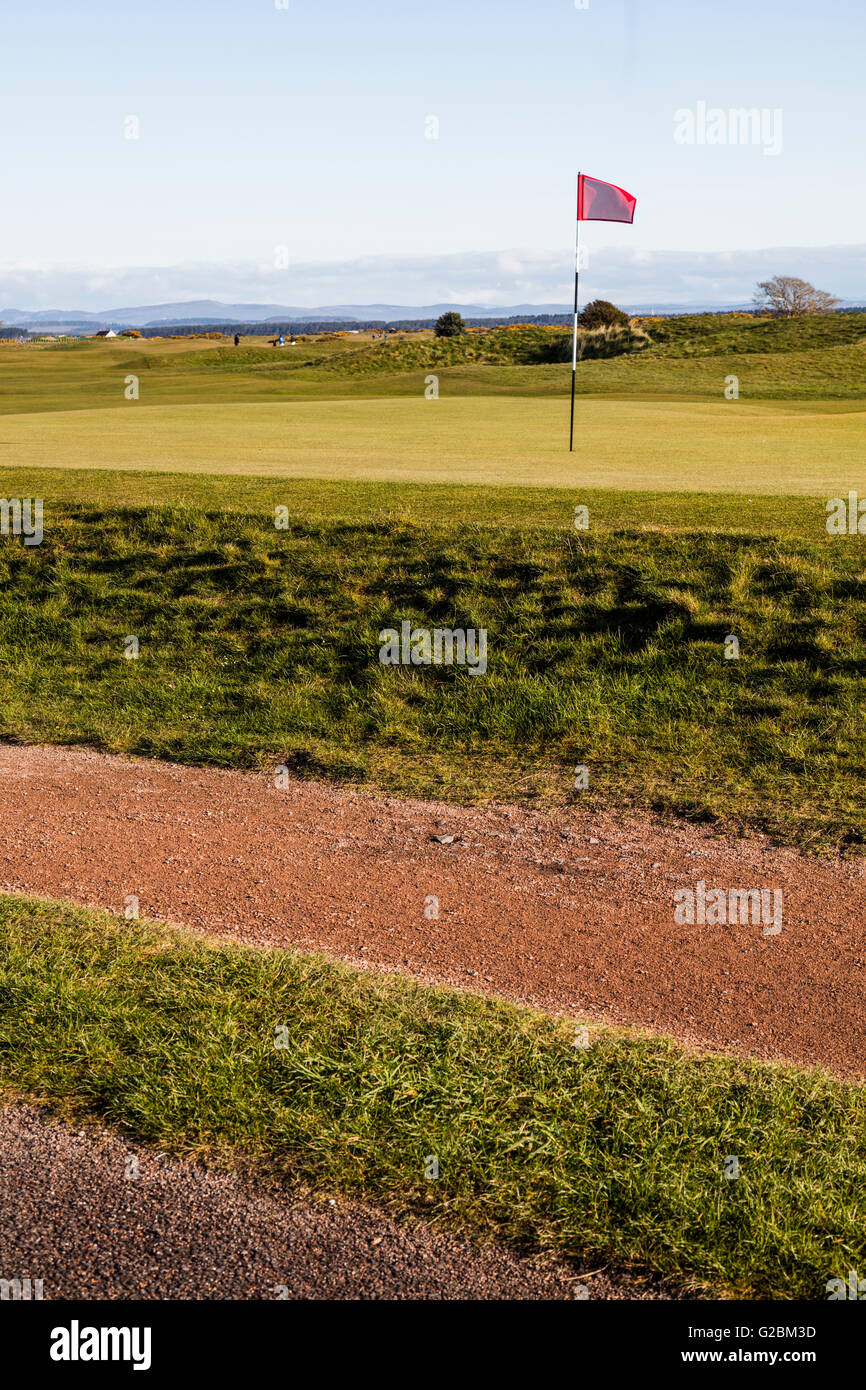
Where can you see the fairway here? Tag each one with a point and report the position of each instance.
(747, 447)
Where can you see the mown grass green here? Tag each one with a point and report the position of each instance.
(757, 447)
(616, 1151)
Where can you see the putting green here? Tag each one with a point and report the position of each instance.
(769, 447)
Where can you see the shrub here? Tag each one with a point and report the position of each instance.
(449, 325)
(600, 313)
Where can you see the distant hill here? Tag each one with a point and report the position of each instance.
(199, 313)
(212, 311)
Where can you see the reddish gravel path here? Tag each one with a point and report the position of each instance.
(567, 912)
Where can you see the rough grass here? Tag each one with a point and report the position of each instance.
(605, 648)
(615, 1151)
(701, 334)
(522, 345)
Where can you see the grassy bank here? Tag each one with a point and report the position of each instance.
(605, 648)
(350, 499)
(613, 1151)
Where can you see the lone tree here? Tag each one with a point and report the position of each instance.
(600, 313)
(786, 297)
(449, 325)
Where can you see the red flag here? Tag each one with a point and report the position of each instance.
(603, 202)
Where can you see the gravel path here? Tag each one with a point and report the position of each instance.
(566, 911)
(81, 1217)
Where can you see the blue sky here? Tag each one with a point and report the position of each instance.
(304, 128)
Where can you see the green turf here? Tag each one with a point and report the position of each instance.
(707, 518)
(606, 648)
(688, 358)
(349, 499)
(348, 407)
(613, 1151)
(738, 446)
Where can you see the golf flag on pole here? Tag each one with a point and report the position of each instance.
(596, 202)
(603, 202)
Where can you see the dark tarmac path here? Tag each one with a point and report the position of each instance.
(94, 1217)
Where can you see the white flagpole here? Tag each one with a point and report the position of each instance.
(574, 333)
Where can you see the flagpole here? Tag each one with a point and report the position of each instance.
(574, 333)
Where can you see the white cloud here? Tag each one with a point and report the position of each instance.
(511, 276)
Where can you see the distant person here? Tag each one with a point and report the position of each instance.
(282, 340)
(237, 339)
